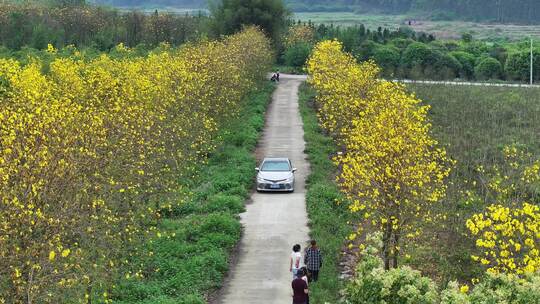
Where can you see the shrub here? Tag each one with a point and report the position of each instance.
(467, 63)
(422, 60)
(372, 284)
(230, 16)
(297, 54)
(477, 48)
(518, 65)
(488, 68)
(401, 43)
(419, 54)
(388, 58)
(446, 67)
(503, 288)
(366, 50)
(466, 37)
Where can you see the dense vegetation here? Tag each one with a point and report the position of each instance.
(98, 151)
(229, 16)
(372, 284)
(522, 11)
(478, 225)
(403, 53)
(36, 25)
(391, 168)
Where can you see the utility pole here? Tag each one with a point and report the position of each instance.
(531, 61)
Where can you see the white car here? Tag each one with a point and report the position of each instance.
(275, 174)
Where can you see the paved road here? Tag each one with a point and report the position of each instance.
(474, 84)
(273, 223)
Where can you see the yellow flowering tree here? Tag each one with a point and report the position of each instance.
(92, 152)
(507, 233)
(299, 33)
(509, 238)
(391, 167)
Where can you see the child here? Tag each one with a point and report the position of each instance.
(296, 258)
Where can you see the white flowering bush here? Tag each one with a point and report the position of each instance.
(372, 284)
(404, 285)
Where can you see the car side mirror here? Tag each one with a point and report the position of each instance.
(294, 170)
(257, 169)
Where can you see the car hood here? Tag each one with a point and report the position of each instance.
(275, 176)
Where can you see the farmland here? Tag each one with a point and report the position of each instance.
(474, 124)
(441, 29)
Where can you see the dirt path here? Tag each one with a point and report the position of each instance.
(273, 222)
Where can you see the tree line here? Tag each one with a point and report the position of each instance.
(74, 23)
(95, 152)
(37, 25)
(521, 11)
(404, 53)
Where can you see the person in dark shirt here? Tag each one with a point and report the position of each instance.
(300, 289)
(313, 260)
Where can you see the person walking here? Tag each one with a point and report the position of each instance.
(295, 260)
(300, 290)
(313, 260)
(303, 273)
(277, 75)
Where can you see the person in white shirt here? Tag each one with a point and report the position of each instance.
(295, 262)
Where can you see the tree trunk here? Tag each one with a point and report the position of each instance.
(396, 251)
(387, 244)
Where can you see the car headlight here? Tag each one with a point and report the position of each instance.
(289, 180)
(260, 179)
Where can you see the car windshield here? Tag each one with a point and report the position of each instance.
(275, 165)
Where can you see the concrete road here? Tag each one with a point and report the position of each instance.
(273, 222)
(472, 84)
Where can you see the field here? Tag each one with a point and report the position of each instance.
(474, 124)
(441, 29)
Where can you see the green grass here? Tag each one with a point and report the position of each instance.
(474, 124)
(192, 256)
(328, 221)
(441, 29)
